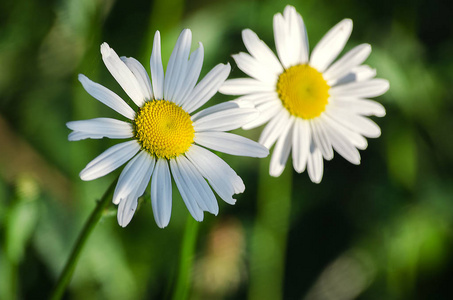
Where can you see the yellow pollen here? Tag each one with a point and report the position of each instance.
(163, 129)
(303, 91)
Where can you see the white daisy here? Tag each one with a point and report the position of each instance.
(164, 137)
(313, 105)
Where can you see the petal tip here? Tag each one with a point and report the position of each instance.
(162, 223)
(84, 176)
(315, 179)
(289, 9)
(347, 22)
(264, 152)
(116, 199)
(81, 77)
(69, 124)
(186, 31)
(227, 67)
(386, 85)
(105, 49)
(276, 171)
(161, 226)
(299, 171)
(273, 174)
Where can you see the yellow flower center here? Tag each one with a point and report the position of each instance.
(303, 91)
(163, 129)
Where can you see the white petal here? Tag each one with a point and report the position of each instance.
(77, 136)
(267, 111)
(187, 190)
(351, 59)
(315, 164)
(281, 152)
(206, 200)
(342, 145)
(215, 108)
(258, 49)
(320, 139)
(301, 144)
(353, 137)
(145, 180)
(109, 160)
(161, 193)
(274, 128)
(140, 74)
(231, 144)
(99, 128)
(297, 35)
(363, 107)
(354, 122)
(122, 74)
(259, 98)
(242, 86)
(304, 48)
(207, 87)
(226, 120)
(126, 210)
(361, 89)
(193, 72)
(128, 204)
(107, 97)
(200, 189)
(283, 42)
(220, 175)
(243, 103)
(331, 45)
(363, 72)
(177, 65)
(359, 73)
(255, 69)
(139, 169)
(157, 69)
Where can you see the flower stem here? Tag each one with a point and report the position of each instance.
(269, 239)
(65, 276)
(186, 259)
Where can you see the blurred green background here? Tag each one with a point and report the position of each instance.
(381, 230)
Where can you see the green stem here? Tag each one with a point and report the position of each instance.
(65, 276)
(269, 239)
(186, 259)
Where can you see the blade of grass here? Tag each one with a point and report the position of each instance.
(96, 215)
(269, 239)
(181, 290)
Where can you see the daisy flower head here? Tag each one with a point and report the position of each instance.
(312, 104)
(165, 139)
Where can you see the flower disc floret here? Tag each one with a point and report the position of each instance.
(303, 91)
(163, 129)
